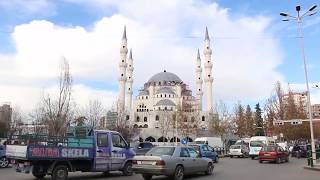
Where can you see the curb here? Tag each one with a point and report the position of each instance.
(312, 168)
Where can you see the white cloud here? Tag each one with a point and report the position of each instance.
(163, 35)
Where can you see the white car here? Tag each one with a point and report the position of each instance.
(239, 151)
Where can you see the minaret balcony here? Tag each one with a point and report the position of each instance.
(122, 64)
(122, 78)
(123, 50)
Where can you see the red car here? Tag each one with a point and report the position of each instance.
(273, 153)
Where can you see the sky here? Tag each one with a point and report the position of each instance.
(252, 47)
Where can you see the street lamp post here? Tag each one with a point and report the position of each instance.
(299, 18)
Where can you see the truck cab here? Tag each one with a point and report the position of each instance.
(83, 149)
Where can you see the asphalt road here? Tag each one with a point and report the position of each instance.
(226, 169)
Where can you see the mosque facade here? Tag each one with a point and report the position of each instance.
(165, 108)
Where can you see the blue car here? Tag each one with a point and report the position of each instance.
(3, 159)
(206, 151)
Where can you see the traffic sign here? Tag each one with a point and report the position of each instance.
(184, 141)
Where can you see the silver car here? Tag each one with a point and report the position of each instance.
(239, 151)
(171, 161)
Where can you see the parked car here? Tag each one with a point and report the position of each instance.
(206, 151)
(273, 153)
(171, 161)
(4, 162)
(300, 150)
(143, 147)
(239, 151)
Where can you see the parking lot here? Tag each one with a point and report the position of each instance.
(226, 169)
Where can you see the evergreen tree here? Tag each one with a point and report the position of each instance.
(240, 120)
(249, 121)
(259, 121)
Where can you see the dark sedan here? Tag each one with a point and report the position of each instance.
(206, 151)
(274, 154)
(142, 148)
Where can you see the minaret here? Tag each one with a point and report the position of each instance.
(129, 80)
(198, 80)
(122, 72)
(208, 75)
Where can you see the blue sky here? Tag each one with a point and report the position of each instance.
(267, 36)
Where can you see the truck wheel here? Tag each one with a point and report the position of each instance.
(127, 169)
(4, 162)
(147, 176)
(209, 170)
(37, 173)
(60, 172)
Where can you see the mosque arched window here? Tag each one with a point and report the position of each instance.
(135, 126)
(165, 95)
(127, 117)
(146, 97)
(145, 126)
(160, 95)
(157, 117)
(138, 118)
(185, 119)
(145, 119)
(165, 108)
(203, 118)
(192, 119)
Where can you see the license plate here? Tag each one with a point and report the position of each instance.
(267, 154)
(148, 162)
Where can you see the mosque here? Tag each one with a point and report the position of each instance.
(165, 107)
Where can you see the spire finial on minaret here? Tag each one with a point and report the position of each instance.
(124, 36)
(130, 54)
(198, 54)
(207, 34)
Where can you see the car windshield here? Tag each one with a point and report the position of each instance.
(197, 148)
(256, 143)
(235, 147)
(269, 148)
(160, 151)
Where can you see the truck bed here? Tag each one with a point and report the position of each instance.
(43, 147)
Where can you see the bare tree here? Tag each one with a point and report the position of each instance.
(16, 121)
(55, 111)
(93, 112)
(123, 126)
(164, 119)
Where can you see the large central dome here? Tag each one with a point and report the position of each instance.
(165, 76)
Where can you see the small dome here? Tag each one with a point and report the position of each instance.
(143, 93)
(165, 76)
(165, 90)
(165, 102)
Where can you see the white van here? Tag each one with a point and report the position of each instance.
(211, 141)
(256, 143)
